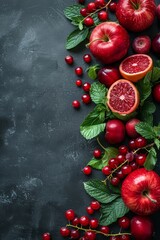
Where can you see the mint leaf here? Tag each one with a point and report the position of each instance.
(112, 211)
(92, 71)
(76, 37)
(146, 112)
(73, 11)
(110, 152)
(97, 189)
(96, 163)
(151, 159)
(146, 130)
(155, 75)
(98, 93)
(157, 143)
(93, 123)
(157, 130)
(77, 20)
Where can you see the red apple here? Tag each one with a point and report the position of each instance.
(142, 44)
(130, 127)
(136, 15)
(141, 228)
(141, 191)
(109, 42)
(108, 75)
(115, 131)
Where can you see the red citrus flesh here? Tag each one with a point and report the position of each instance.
(123, 97)
(136, 66)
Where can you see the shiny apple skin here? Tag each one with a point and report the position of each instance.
(108, 75)
(109, 42)
(142, 228)
(134, 187)
(133, 19)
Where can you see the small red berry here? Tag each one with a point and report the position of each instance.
(64, 231)
(78, 82)
(74, 234)
(46, 236)
(121, 158)
(103, 15)
(75, 221)
(140, 142)
(97, 153)
(76, 104)
(133, 165)
(91, 7)
(89, 210)
(87, 170)
(83, 12)
(132, 144)
(94, 223)
(123, 149)
(95, 205)
(90, 235)
(105, 229)
(79, 71)
(126, 169)
(115, 181)
(84, 221)
(130, 156)
(113, 163)
(112, 6)
(87, 58)
(124, 222)
(69, 59)
(140, 159)
(99, 3)
(86, 98)
(70, 214)
(106, 170)
(114, 238)
(120, 174)
(86, 87)
(124, 237)
(88, 21)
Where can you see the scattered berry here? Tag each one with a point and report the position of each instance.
(69, 59)
(88, 21)
(90, 210)
(70, 214)
(78, 82)
(87, 170)
(97, 153)
(95, 205)
(46, 236)
(103, 15)
(86, 87)
(79, 71)
(86, 98)
(76, 104)
(87, 58)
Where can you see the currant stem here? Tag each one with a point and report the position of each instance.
(101, 144)
(98, 232)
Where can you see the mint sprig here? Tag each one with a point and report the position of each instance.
(73, 11)
(98, 93)
(76, 37)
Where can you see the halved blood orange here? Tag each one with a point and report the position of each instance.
(123, 97)
(135, 67)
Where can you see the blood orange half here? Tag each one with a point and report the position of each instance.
(136, 66)
(123, 97)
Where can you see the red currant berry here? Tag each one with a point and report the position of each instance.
(94, 223)
(124, 237)
(86, 98)
(75, 221)
(89, 210)
(124, 222)
(132, 144)
(133, 165)
(81, 1)
(123, 149)
(121, 158)
(113, 163)
(76, 104)
(79, 71)
(83, 12)
(91, 7)
(88, 21)
(69, 59)
(87, 58)
(90, 235)
(140, 159)
(87, 170)
(99, 3)
(115, 181)
(106, 170)
(86, 87)
(114, 238)
(95, 205)
(140, 142)
(130, 156)
(126, 169)
(84, 221)
(74, 234)
(78, 82)
(105, 229)
(112, 6)
(120, 174)
(46, 236)
(103, 15)
(97, 153)
(70, 214)
(64, 231)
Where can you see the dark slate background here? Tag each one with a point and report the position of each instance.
(41, 150)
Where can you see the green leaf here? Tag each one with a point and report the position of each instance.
(146, 130)
(96, 163)
(73, 11)
(94, 124)
(157, 130)
(76, 37)
(146, 112)
(97, 189)
(98, 93)
(151, 159)
(80, 26)
(155, 75)
(158, 63)
(77, 21)
(96, 19)
(112, 211)
(157, 143)
(92, 71)
(110, 152)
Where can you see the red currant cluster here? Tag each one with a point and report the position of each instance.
(89, 228)
(98, 7)
(79, 72)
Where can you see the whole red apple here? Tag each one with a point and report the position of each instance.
(115, 131)
(136, 15)
(108, 75)
(141, 191)
(141, 228)
(109, 42)
(130, 127)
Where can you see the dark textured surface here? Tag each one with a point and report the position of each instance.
(41, 150)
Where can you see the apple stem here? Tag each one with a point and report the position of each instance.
(97, 39)
(151, 199)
